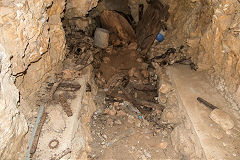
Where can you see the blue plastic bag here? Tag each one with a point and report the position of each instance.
(160, 37)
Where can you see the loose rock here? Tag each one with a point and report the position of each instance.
(222, 118)
(163, 145)
(118, 122)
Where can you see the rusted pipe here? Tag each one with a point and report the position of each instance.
(40, 113)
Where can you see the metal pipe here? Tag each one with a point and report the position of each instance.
(40, 113)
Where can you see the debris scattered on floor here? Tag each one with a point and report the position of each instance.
(138, 108)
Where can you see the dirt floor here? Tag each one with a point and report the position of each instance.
(119, 131)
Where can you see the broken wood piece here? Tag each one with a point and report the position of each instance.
(138, 103)
(207, 104)
(143, 87)
(151, 24)
(61, 155)
(65, 106)
(117, 24)
(67, 86)
(54, 88)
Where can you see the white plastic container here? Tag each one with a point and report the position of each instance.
(101, 37)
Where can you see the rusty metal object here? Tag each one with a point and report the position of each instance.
(206, 103)
(62, 154)
(65, 106)
(37, 135)
(50, 144)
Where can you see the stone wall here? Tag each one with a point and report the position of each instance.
(32, 43)
(211, 31)
(79, 8)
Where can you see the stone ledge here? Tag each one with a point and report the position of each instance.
(189, 85)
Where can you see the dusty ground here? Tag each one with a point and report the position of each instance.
(121, 133)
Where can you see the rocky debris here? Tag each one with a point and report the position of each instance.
(165, 87)
(147, 154)
(222, 118)
(163, 145)
(118, 122)
(145, 127)
(75, 8)
(111, 112)
(117, 25)
(110, 122)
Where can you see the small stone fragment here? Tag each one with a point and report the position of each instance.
(163, 145)
(132, 46)
(104, 136)
(138, 123)
(130, 119)
(131, 72)
(106, 59)
(118, 122)
(139, 60)
(145, 73)
(165, 87)
(147, 154)
(145, 123)
(110, 112)
(116, 104)
(222, 118)
(121, 113)
(110, 122)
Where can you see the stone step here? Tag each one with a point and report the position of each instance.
(215, 141)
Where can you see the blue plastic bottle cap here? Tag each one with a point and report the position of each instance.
(160, 37)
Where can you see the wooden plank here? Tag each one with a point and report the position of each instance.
(151, 24)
